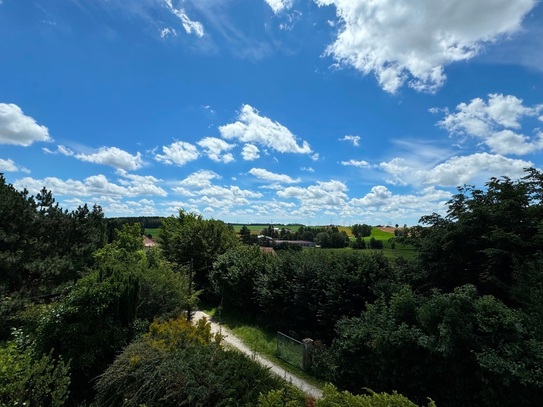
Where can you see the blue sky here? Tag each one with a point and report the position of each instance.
(309, 111)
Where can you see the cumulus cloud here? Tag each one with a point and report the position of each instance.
(279, 5)
(381, 203)
(250, 152)
(253, 128)
(199, 179)
(378, 196)
(218, 196)
(398, 40)
(270, 176)
(496, 123)
(200, 188)
(455, 171)
(330, 194)
(178, 153)
(131, 186)
(19, 129)
(10, 166)
(214, 148)
(353, 139)
(355, 163)
(190, 26)
(114, 157)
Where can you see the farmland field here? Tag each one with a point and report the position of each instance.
(152, 231)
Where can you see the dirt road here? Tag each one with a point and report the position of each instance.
(233, 341)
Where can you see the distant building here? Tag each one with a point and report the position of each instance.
(303, 243)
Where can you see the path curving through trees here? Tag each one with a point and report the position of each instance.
(235, 342)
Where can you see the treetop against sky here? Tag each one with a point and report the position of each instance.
(306, 111)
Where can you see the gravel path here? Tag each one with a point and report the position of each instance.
(235, 342)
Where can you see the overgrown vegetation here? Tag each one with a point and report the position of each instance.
(462, 323)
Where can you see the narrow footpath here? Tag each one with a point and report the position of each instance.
(235, 342)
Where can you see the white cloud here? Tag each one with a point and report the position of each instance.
(378, 196)
(414, 40)
(189, 25)
(10, 166)
(323, 195)
(270, 176)
(279, 5)
(166, 32)
(60, 150)
(250, 152)
(355, 163)
(493, 123)
(200, 188)
(308, 169)
(253, 128)
(381, 204)
(178, 153)
(214, 148)
(19, 129)
(131, 186)
(353, 139)
(456, 170)
(112, 156)
(199, 179)
(224, 197)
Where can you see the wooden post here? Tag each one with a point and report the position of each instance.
(308, 347)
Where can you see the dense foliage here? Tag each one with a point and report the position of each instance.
(43, 249)
(191, 239)
(31, 381)
(332, 397)
(304, 293)
(177, 363)
(462, 324)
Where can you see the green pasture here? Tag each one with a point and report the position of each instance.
(152, 231)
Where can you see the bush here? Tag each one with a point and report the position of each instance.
(181, 364)
(29, 381)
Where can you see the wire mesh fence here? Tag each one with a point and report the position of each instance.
(290, 350)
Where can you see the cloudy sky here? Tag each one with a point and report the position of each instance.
(309, 111)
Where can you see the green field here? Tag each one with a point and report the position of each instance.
(152, 231)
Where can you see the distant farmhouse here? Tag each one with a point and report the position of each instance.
(276, 242)
(303, 243)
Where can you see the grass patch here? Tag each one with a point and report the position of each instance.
(152, 231)
(255, 337)
(378, 234)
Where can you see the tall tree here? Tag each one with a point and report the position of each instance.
(487, 236)
(189, 238)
